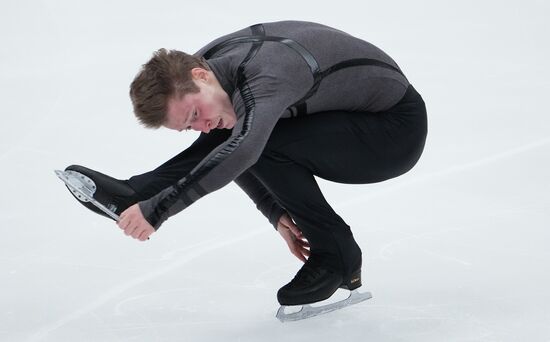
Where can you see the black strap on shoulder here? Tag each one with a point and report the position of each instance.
(306, 55)
(300, 106)
(257, 30)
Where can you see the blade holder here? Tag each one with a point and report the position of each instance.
(83, 188)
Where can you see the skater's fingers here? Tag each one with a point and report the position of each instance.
(143, 236)
(303, 243)
(295, 231)
(124, 222)
(306, 252)
(295, 249)
(303, 247)
(285, 219)
(145, 231)
(136, 233)
(125, 225)
(129, 230)
(291, 242)
(298, 255)
(122, 219)
(299, 250)
(120, 222)
(287, 222)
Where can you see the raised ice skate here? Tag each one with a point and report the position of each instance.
(83, 188)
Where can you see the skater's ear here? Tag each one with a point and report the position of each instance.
(199, 74)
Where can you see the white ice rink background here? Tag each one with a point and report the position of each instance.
(455, 250)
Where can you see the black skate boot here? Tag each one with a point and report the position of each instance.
(315, 282)
(116, 195)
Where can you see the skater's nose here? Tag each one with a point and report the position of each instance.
(203, 126)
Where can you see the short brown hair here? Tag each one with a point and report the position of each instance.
(166, 74)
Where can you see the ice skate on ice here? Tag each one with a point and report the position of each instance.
(308, 310)
(100, 193)
(314, 283)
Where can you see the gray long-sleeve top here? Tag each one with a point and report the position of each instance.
(273, 71)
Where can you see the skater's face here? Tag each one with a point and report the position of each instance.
(204, 111)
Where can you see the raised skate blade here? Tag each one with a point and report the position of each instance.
(83, 188)
(308, 310)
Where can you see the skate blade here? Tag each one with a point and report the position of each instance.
(84, 189)
(308, 311)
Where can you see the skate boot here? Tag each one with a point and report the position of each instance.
(316, 282)
(113, 194)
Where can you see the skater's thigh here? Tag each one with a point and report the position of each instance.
(350, 147)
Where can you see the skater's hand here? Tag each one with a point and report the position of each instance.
(134, 224)
(293, 237)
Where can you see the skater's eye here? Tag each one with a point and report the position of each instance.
(193, 118)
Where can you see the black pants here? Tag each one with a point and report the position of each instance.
(344, 147)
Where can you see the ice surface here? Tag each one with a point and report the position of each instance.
(455, 250)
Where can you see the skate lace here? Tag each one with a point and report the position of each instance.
(307, 274)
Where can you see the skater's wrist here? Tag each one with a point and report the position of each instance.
(154, 221)
(276, 215)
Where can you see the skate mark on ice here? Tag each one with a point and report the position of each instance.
(117, 290)
(119, 311)
(387, 249)
(104, 323)
(448, 258)
(173, 253)
(445, 172)
(424, 319)
(257, 281)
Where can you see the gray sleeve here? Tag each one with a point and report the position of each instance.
(256, 119)
(260, 195)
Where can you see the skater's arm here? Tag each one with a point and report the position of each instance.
(151, 183)
(223, 165)
(264, 93)
(264, 200)
(220, 167)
